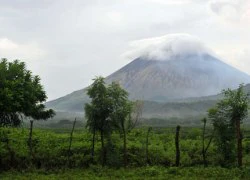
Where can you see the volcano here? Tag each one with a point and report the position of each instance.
(182, 77)
(168, 68)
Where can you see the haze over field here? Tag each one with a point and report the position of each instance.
(68, 43)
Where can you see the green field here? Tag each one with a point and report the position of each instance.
(149, 172)
(51, 158)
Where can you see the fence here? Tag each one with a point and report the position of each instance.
(46, 149)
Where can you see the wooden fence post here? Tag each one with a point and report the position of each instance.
(30, 139)
(177, 160)
(147, 158)
(70, 140)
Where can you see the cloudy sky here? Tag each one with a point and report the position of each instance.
(69, 42)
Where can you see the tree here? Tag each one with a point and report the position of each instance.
(21, 94)
(125, 114)
(98, 112)
(110, 110)
(226, 118)
(120, 115)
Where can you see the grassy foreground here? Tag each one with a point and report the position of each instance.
(153, 172)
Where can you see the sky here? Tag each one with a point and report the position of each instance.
(70, 42)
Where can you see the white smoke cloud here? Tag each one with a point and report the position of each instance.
(166, 47)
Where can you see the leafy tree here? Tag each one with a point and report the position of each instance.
(98, 112)
(226, 118)
(21, 94)
(120, 115)
(110, 110)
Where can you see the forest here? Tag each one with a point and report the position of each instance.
(114, 143)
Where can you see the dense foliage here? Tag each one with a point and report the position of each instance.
(226, 118)
(50, 149)
(109, 110)
(21, 94)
